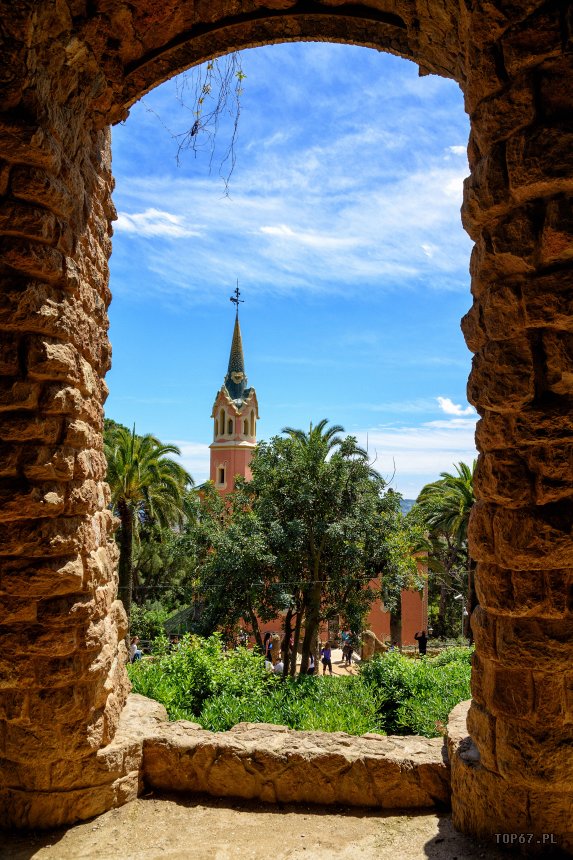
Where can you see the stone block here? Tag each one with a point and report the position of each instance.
(20, 500)
(485, 192)
(483, 802)
(32, 259)
(503, 376)
(10, 461)
(503, 113)
(550, 817)
(504, 478)
(558, 347)
(535, 757)
(29, 144)
(533, 538)
(534, 40)
(538, 643)
(554, 83)
(494, 588)
(473, 328)
(17, 610)
(34, 639)
(47, 537)
(540, 162)
(483, 628)
(503, 311)
(556, 244)
(29, 427)
(52, 360)
(549, 697)
(508, 692)
(480, 533)
(18, 395)
(41, 577)
(481, 727)
(46, 463)
(29, 222)
(48, 189)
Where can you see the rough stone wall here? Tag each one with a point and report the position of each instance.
(517, 208)
(69, 69)
(62, 671)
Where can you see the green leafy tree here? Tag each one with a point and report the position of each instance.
(321, 507)
(147, 486)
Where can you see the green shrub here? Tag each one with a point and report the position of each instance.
(197, 681)
(416, 696)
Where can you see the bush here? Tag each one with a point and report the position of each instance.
(197, 681)
(416, 696)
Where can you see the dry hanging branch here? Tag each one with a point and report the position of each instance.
(209, 92)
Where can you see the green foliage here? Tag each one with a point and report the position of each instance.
(147, 620)
(197, 681)
(305, 703)
(184, 677)
(416, 696)
(147, 488)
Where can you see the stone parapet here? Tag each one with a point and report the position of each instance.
(276, 764)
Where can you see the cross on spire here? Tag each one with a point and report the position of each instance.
(235, 298)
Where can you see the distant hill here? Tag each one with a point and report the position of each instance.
(407, 504)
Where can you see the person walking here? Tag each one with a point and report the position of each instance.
(326, 654)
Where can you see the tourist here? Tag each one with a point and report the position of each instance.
(422, 640)
(326, 654)
(310, 669)
(278, 668)
(348, 651)
(267, 645)
(134, 650)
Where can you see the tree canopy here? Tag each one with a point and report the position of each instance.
(147, 487)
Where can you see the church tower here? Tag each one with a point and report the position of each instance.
(235, 413)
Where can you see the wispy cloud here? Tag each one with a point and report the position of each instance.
(154, 223)
(417, 455)
(195, 458)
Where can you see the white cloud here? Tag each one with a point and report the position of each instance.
(154, 222)
(457, 150)
(451, 408)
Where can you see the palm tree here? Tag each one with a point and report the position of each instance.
(146, 486)
(316, 437)
(446, 506)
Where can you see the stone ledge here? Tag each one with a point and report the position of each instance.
(277, 764)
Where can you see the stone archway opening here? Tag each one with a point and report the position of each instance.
(69, 71)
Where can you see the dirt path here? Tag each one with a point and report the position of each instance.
(175, 828)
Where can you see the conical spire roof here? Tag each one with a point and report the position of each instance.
(236, 380)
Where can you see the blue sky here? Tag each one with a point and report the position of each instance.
(343, 228)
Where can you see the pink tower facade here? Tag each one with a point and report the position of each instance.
(235, 414)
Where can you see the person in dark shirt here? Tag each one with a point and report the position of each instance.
(422, 640)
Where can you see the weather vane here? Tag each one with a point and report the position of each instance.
(235, 299)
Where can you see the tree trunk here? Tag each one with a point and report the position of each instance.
(396, 626)
(286, 642)
(125, 568)
(442, 608)
(296, 641)
(311, 623)
(256, 629)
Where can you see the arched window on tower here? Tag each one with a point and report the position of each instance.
(222, 422)
(230, 426)
(221, 475)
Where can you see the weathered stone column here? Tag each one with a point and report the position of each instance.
(518, 209)
(62, 659)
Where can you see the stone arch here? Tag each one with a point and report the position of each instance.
(72, 68)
